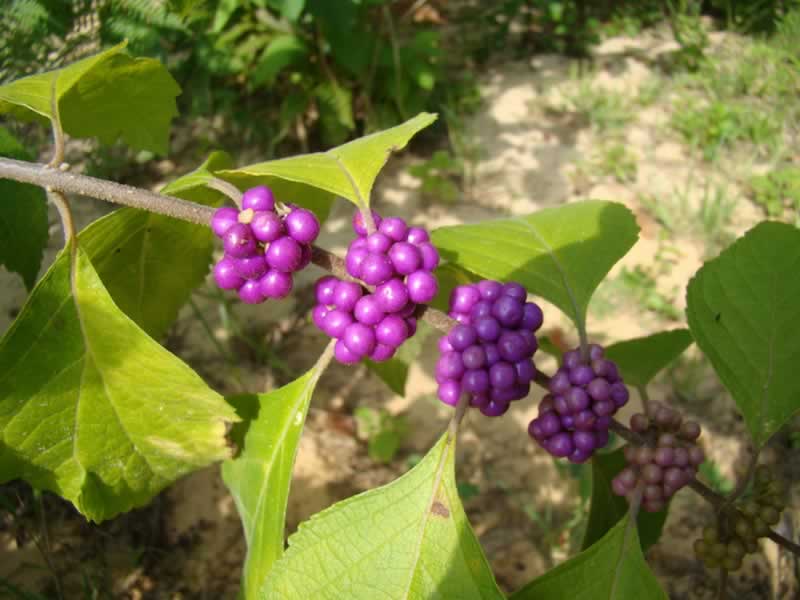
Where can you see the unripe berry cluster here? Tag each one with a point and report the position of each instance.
(399, 260)
(665, 463)
(262, 247)
(488, 355)
(740, 527)
(575, 416)
(361, 321)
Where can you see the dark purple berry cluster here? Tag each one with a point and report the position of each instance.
(739, 527)
(665, 463)
(488, 355)
(362, 322)
(262, 247)
(397, 259)
(575, 416)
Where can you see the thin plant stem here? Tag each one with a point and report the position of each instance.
(230, 190)
(722, 590)
(58, 131)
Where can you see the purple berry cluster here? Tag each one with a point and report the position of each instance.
(575, 416)
(665, 463)
(363, 323)
(397, 259)
(262, 247)
(488, 355)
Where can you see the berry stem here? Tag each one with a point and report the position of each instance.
(230, 190)
(58, 131)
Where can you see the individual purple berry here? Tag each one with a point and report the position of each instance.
(405, 258)
(532, 317)
(526, 371)
(490, 290)
(344, 355)
(475, 381)
(335, 322)
(422, 287)
(462, 336)
(346, 294)
(430, 256)
(258, 198)
(559, 383)
(251, 267)
(250, 292)
(417, 235)
(354, 260)
(473, 357)
(495, 408)
(488, 329)
(358, 222)
(450, 392)
(515, 290)
(463, 298)
(392, 295)
(571, 359)
(226, 275)
(560, 445)
(394, 227)
(368, 311)
(238, 241)
(379, 243)
(302, 225)
(276, 284)
(502, 375)
(382, 352)
(450, 365)
(223, 219)
(482, 309)
(391, 331)
(318, 314)
(599, 389)
(359, 339)
(376, 269)
(492, 354)
(325, 289)
(284, 254)
(508, 311)
(512, 346)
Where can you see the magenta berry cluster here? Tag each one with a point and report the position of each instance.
(360, 321)
(575, 416)
(488, 355)
(666, 462)
(397, 259)
(263, 246)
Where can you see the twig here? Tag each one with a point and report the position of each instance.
(387, 15)
(458, 415)
(230, 190)
(65, 213)
(722, 590)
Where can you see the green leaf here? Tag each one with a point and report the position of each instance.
(560, 253)
(150, 263)
(282, 51)
(348, 171)
(260, 476)
(612, 569)
(607, 508)
(640, 359)
(415, 525)
(743, 313)
(335, 105)
(108, 95)
(289, 9)
(23, 218)
(394, 371)
(93, 409)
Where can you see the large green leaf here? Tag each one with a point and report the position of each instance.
(560, 253)
(282, 51)
(640, 359)
(394, 371)
(108, 95)
(23, 218)
(611, 569)
(259, 477)
(744, 314)
(92, 408)
(150, 263)
(409, 539)
(607, 508)
(348, 171)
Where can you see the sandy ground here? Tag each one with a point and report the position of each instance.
(190, 539)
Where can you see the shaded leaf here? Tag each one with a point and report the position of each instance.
(743, 313)
(260, 476)
(23, 218)
(394, 371)
(282, 51)
(607, 508)
(151, 263)
(640, 359)
(108, 96)
(415, 524)
(348, 171)
(93, 409)
(611, 569)
(561, 253)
